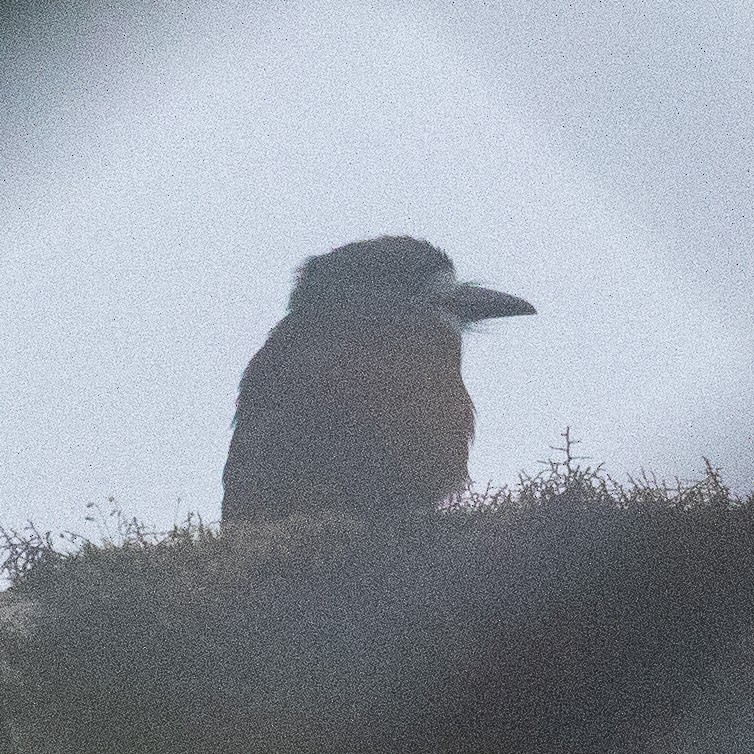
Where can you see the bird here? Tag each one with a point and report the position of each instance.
(355, 402)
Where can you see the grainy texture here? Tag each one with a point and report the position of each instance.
(563, 626)
(359, 388)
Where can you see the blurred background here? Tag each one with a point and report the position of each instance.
(167, 165)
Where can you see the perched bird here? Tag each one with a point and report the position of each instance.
(356, 400)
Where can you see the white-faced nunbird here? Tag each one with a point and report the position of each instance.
(356, 401)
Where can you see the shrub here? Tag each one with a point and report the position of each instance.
(570, 614)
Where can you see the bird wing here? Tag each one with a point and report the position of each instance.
(300, 438)
(352, 418)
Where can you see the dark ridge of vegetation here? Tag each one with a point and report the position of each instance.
(570, 614)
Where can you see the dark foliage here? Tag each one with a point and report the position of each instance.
(570, 615)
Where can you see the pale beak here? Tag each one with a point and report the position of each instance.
(471, 303)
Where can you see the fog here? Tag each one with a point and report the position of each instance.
(166, 167)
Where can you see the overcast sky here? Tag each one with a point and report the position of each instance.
(167, 166)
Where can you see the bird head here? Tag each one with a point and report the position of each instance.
(390, 276)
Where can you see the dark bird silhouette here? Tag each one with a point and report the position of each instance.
(356, 400)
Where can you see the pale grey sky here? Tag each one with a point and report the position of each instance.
(166, 166)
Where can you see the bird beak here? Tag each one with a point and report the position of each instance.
(472, 303)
